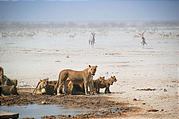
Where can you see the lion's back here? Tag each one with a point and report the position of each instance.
(72, 74)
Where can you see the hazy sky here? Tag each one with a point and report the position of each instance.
(89, 10)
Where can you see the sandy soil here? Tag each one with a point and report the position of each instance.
(29, 54)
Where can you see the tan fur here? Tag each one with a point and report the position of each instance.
(7, 81)
(97, 84)
(106, 84)
(8, 90)
(1, 73)
(70, 85)
(51, 88)
(7, 86)
(84, 75)
(4, 80)
(45, 87)
(41, 87)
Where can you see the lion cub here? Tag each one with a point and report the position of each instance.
(97, 83)
(46, 87)
(105, 83)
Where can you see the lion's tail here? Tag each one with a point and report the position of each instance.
(57, 85)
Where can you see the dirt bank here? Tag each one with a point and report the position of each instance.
(101, 106)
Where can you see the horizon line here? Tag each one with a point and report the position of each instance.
(79, 0)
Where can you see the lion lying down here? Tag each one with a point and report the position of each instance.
(50, 87)
(7, 86)
(8, 90)
(45, 87)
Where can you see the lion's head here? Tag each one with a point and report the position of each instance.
(92, 69)
(43, 86)
(113, 79)
(101, 80)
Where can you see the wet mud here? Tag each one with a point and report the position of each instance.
(101, 106)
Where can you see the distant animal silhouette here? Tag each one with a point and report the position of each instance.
(143, 39)
(92, 39)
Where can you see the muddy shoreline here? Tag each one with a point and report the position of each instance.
(101, 106)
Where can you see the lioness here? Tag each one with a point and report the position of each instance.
(106, 83)
(84, 75)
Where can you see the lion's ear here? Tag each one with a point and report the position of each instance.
(89, 65)
(96, 66)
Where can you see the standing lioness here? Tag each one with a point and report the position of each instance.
(84, 75)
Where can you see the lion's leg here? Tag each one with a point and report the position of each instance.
(65, 88)
(35, 90)
(109, 90)
(86, 87)
(82, 87)
(95, 90)
(106, 90)
(98, 91)
(59, 88)
(91, 85)
(61, 83)
(71, 88)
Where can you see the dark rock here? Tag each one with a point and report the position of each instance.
(153, 110)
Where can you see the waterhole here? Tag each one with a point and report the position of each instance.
(37, 111)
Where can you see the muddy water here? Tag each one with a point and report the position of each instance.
(37, 111)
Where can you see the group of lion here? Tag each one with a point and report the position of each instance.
(69, 82)
(75, 82)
